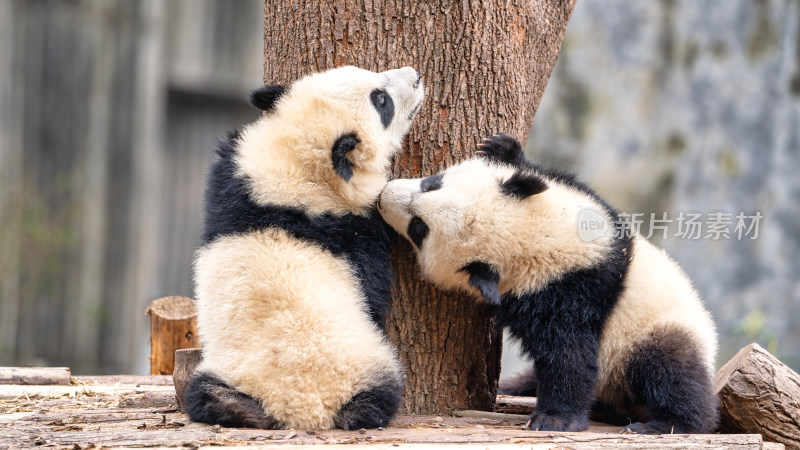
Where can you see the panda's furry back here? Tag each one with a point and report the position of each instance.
(259, 277)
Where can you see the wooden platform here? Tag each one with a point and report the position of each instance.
(140, 411)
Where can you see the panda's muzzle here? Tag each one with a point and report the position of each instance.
(417, 231)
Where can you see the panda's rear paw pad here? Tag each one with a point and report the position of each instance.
(501, 147)
(540, 421)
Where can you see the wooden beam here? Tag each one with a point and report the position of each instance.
(759, 394)
(141, 412)
(512, 404)
(35, 375)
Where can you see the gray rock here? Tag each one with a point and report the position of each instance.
(693, 106)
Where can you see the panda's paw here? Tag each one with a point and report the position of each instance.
(502, 148)
(567, 421)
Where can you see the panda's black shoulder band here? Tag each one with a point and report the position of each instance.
(341, 147)
(485, 279)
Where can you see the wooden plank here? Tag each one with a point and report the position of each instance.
(512, 404)
(490, 415)
(35, 375)
(595, 427)
(141, 412)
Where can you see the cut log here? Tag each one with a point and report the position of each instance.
(186, 361)
(173, 326)
(512, 404)
(35, 375)
(759, 394)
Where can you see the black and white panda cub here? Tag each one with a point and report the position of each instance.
(292, 281)
(610, 321)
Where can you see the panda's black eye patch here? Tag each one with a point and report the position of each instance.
(431, 183)
(417, 231)
(384, 105)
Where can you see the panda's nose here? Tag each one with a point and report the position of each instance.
(417, 79)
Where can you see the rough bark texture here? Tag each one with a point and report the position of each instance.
(173, 326)
(485, 65)
(186, 360)
(759, 394)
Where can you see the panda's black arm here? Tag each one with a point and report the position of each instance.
(505, 149)
(564, 347)
(559, 326)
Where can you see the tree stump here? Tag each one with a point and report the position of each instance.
(173, 326)
(759, 394)
(186, 360)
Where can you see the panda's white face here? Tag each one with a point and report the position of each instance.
(327, 143)
(387, 101)
(473, 212)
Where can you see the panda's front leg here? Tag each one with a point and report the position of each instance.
(566, 377)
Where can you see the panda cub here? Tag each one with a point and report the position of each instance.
(610, 322)
(293, 277)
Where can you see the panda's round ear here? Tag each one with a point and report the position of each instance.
(523, 184)
(485, 279)
(265, 98)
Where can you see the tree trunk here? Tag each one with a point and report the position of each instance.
(485, 65)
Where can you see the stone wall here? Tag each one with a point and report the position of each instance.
(693, 107)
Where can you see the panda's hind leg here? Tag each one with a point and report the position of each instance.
(208, 399)
(522, 384)
(667, 376)
(374, 407)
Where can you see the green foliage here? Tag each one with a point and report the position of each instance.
(753, 327)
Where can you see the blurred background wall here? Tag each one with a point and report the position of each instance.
(109, 112)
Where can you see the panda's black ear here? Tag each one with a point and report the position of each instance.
(264, 98)
(523, 184)
(344, 144)
(484, 278)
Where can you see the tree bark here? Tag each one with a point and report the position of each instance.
(485, 65)
(186, 360)
(759, 394)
